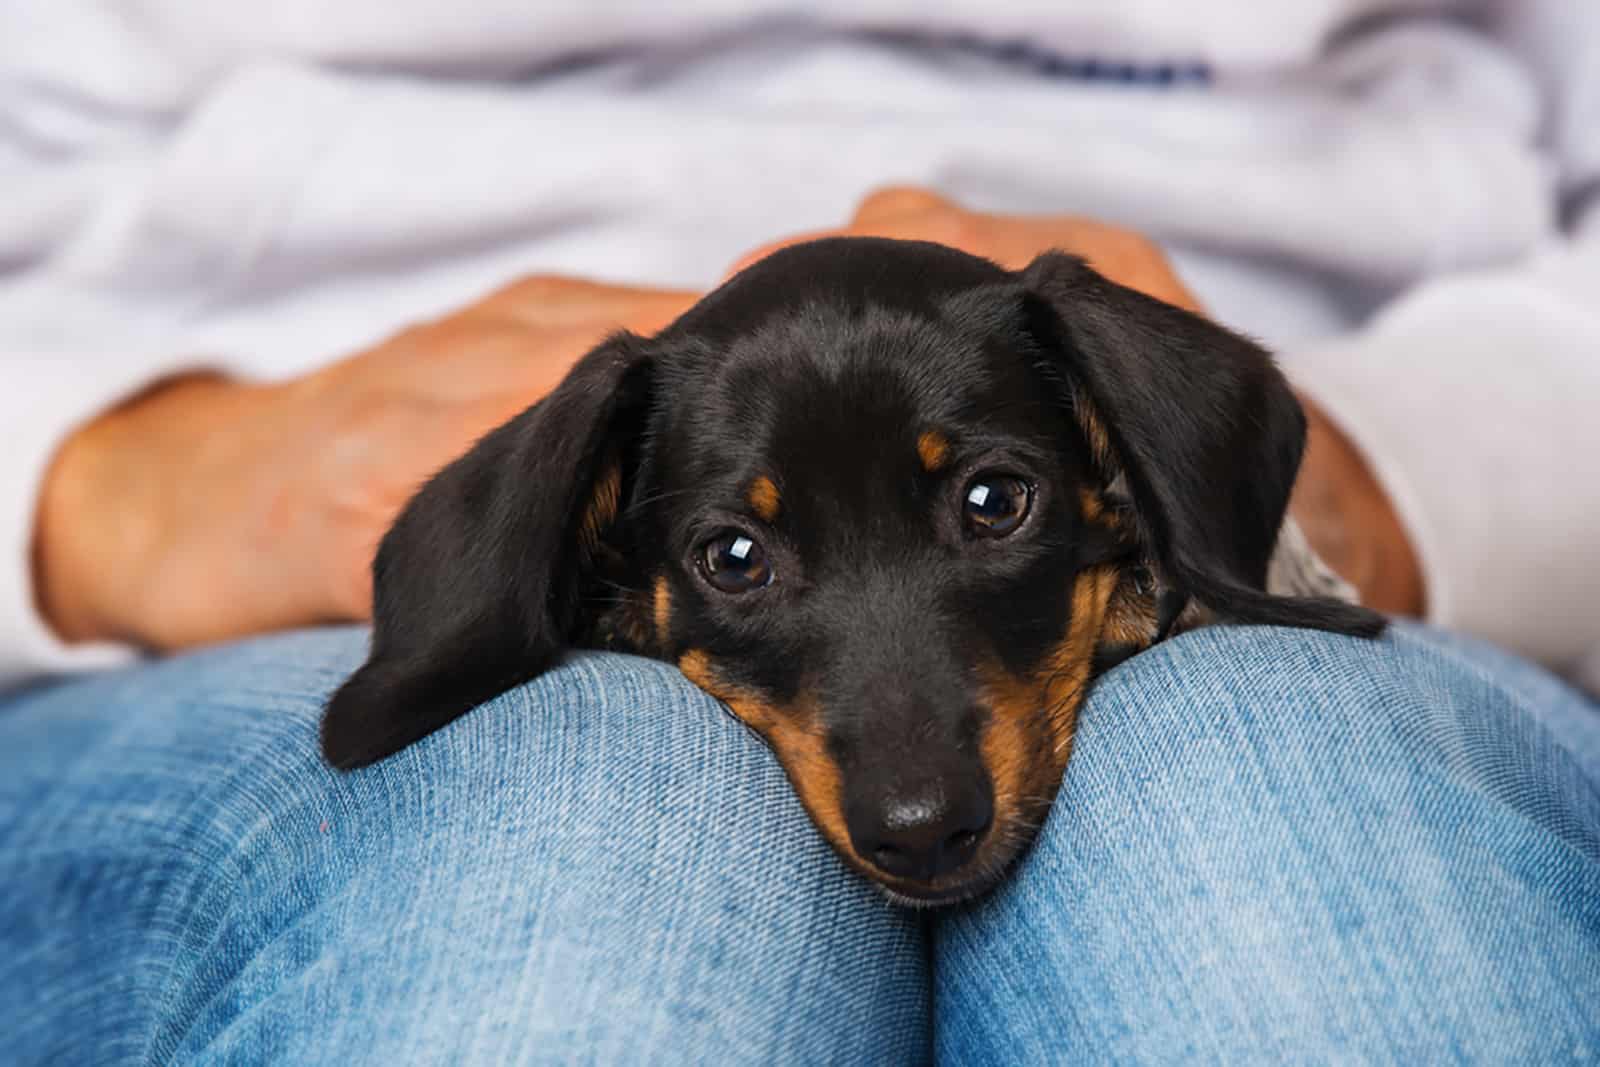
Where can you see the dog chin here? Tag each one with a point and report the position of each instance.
(983, 873)
(936, 898)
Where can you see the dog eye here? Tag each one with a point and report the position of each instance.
(995, 504)
(735, 562)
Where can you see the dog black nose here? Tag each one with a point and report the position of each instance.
(923, 835)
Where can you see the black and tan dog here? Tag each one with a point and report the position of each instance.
(895, 506)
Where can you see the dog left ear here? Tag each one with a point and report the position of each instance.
(476, 587)
(1201, 424)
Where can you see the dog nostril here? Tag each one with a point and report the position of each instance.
(919, 840)
(961, 840)
(887, 857)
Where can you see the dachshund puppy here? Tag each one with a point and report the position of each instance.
(896, 507)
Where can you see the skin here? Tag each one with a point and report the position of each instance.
(206, 509)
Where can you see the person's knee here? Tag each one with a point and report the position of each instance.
(598, 743)
(603, 741)
(254, 707)
(595, 853)
(221, 746)
(1322, 716)
(604, 835)
(1272, 838)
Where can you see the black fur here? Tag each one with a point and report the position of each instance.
(819, 367)
(476, 587)
(1208, 433)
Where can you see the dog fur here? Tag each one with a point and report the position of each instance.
(828, 432)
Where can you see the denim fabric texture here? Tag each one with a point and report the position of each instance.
(1271, 846)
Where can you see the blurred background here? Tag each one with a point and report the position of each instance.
(285, 182)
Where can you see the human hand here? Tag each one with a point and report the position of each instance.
(1342, 509)
(913, 214)
(207, 509)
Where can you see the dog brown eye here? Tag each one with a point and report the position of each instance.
(996, 504)
(735, 562)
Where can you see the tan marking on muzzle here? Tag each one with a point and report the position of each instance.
(1032, 717)
(793, 731)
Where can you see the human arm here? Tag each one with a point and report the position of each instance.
(206, 508)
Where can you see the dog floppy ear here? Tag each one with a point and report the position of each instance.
(1202, 426)
(476, 586)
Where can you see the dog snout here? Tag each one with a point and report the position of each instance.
(919, 835)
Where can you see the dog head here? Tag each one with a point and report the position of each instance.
(895, 506)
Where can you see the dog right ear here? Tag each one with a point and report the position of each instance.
(476, 586)
(1201, 424)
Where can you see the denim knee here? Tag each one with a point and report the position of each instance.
(1288, 844)
(1349, 719)
(607, 865)
(596, 866)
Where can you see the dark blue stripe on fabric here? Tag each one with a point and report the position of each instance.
(1093, 68)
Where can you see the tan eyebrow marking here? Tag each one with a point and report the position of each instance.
(934, 450)
(763, 497)
(1030, 733)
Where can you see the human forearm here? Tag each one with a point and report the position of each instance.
(117, 497)
(205, 509)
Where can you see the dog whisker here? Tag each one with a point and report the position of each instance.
(636, 506)
(621, 587)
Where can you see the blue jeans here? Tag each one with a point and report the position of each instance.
(1271, 845)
